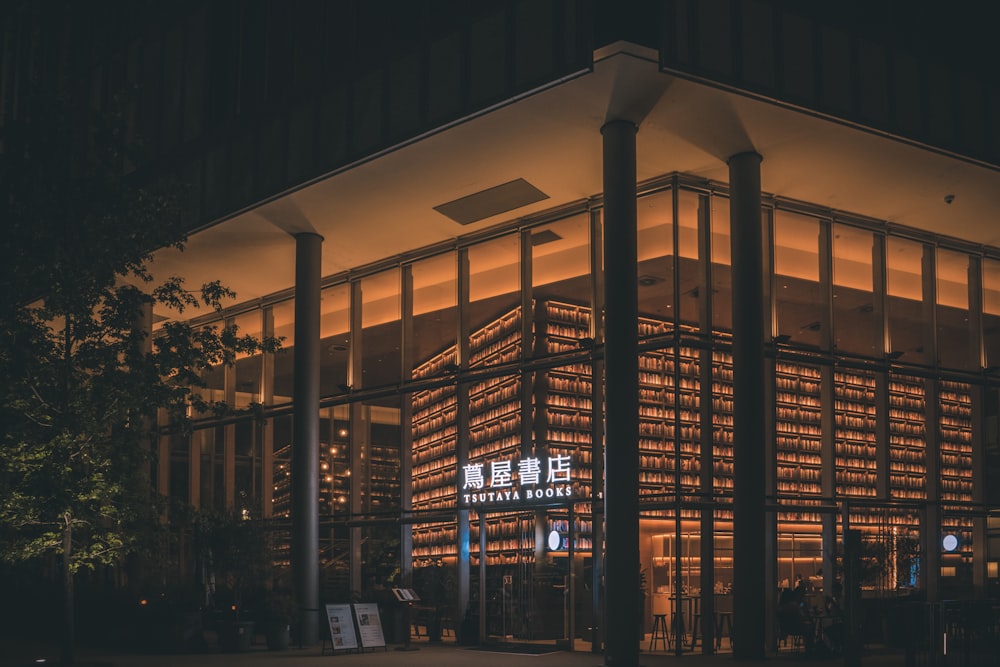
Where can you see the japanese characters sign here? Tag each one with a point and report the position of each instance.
(507, 481)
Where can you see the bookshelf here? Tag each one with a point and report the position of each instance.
(434, 444)
(722, 423)
(955, 442)
(854, 409)
(907, 438)
(798, 430)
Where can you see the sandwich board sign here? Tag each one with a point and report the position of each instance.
(369, 625)
(341, 623)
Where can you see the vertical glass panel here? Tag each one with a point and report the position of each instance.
(991, 311)
(379, 438)
(798, 295)
(854, 324)
(953, 337)
(495, 301)
(214, 378)
(248, 367)
(281, 493)
(656, 257)
(210, 445)
(247, 467)
(689, 277)
(907, 437)
(284, 328)
(561, 278)
(180, 452)
(563, 420)
(722, 266)
(382, 329)
(435, 311)
(334, 461)
(335, 339)
(904, 262)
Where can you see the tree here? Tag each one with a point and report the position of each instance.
(84, 379)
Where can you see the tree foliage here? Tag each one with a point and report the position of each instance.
(84, 383)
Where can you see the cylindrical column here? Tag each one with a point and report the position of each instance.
(621, 486)
(305, 440)
(749, 450)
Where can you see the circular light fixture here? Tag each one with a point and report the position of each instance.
(950, 543)
(555, 540)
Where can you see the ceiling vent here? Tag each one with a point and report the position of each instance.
(492, 201)
(543, 237)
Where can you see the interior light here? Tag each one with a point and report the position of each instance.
(950, 543)
(555, 540)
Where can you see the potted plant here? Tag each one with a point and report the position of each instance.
(235, 552)
(277, 612)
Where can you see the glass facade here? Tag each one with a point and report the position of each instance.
(453, 379)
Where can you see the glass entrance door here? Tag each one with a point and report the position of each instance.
(526, 575)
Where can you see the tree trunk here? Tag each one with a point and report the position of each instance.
(67, 650)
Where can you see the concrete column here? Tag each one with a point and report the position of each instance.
(749, 425)
(305, 441)
(621, 487)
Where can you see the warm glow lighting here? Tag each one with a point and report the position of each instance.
(143, 602)
(948, 571)
(342, 433)
(993, 569)
(555, 541)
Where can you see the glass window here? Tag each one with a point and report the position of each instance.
(904, 262)
(560, 274)
(656, 257)
(248, 367)
(435, 314)
(854, 317)
(335, 339)
(689, 278)
(722, 266)
(381, 330)
(991, 311)
(798, 295)
(494, 301)
(284, 358)
(953, 331)
(214, 378)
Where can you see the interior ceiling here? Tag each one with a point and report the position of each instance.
(552, 140)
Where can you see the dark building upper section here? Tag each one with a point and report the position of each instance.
(246, 99)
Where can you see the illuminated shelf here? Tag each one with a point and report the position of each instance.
(855, 429)
(798, 430)
(907, 438)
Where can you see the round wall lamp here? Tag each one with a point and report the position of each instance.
(555, 541)
(949, 543)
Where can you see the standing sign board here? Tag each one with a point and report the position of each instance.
(369, 624)
(342, 635)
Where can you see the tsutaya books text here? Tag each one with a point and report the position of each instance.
(508, 481)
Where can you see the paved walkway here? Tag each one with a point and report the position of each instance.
(23, 654)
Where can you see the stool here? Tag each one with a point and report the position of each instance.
(723, 623)
(659, 632)
(695, 629)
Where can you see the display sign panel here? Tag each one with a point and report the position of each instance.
(341, 623)
(505, 482)
(369, 624)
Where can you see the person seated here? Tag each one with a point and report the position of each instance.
(793, 621)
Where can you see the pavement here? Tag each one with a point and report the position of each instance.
(17, 653)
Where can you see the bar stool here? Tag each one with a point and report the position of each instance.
(723, 623)
(660, 632)
(695, 629)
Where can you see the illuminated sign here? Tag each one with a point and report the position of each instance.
(506, 481)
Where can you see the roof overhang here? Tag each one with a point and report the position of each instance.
(551, 139)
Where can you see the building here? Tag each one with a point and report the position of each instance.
(431, 201)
